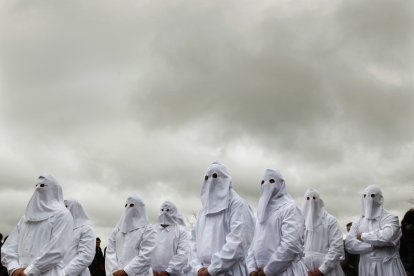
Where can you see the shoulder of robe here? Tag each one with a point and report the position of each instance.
(236, 201)
(62, 214)
(387, 217)
(331, 219)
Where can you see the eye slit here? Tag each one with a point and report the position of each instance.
(262, 182)
(168, 210)
(307, 198)
(372, 195)
(206, 177)
(214, 175)
(272, 180)
(126, 205)
(131, 205)
(365, 195)
(314, 198)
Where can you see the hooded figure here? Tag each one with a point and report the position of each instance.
(173, 249)
(323, 238)
(278, 239)
(39, 242)
(132, 242)
(224, 227)
(82, 251)
(376, 237)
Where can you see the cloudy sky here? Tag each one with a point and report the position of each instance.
(123, 97)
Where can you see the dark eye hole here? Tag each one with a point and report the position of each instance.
(40, 185)
(214, 175)
(126, 205)
(372, 195)
(272, 180)
(262, 182)
(205, 178)
(365, 195)
(168, 210)
(131, 205)
(162, 210)
(66, 206)
(307, 198)
(314, 198)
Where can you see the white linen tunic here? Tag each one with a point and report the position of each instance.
(223, 238)
(324, 247)
(278, 243)
(39, 245)
(379, 248)
(131, 251)
(172, 251)
(82, 251)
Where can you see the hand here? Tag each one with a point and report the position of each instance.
(164, 273)
(260, 272)
(316, 272)
(359, 237)
(203, 272)
(19, 272)
(155, 273)
(120, 272)
(253, 273)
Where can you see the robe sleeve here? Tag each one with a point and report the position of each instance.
(111, 261)
(9, 251)
(195, 261)
(291, 244)
(353, 245)
(386, 235)
(251, 261)
(336, 247)
(85, 252)
(54, 250)
(180, 259)
(141, 264)
(237, 241)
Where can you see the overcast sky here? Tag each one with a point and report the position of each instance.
(123, 97)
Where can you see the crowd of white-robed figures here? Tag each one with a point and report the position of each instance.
(55, 236)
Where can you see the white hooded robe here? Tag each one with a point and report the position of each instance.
(277, 246)
(381, 235)
(82, 251)
(40, 240)
(224, 228)
(132, 242)
(323, 237)
(173, 248)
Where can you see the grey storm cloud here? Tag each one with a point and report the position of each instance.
(140, 96)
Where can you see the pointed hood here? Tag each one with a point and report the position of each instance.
(47, 199)
(273, 194)
(169, 215)
(372, 202)
(134, 216)
(79, 215)
(215, 192)
(313, 209)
